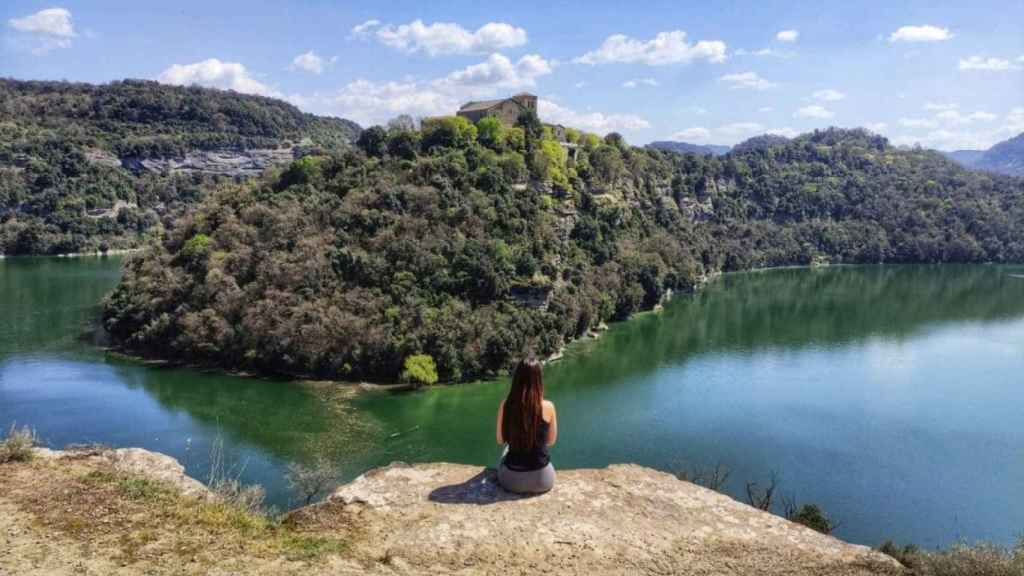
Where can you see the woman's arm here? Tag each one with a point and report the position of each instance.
(501, 417)
(553, 427)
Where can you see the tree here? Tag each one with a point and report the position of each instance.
(448, 132)
(419, 369)
(373, 141)
(491, 133)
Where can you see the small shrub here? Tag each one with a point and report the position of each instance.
(419, 370)
(17, 447)
(811, 516)
(710, 478)
(312, 481)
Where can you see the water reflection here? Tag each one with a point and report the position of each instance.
(860, 386)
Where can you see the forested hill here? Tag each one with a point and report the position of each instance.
(87, 166)
(446, 253)
(1006, 157)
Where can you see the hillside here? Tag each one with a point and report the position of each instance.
(686, 147)
(448, 253)
(84, 167)
(1006, 157)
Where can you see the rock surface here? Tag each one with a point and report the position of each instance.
(224, 162)
(624, 519)
(153, 465)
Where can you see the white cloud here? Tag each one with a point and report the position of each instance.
(216, 74)
(593, 121)
(697, 134)
(49, 29)
(580, 84)
(925, 33)
(813, 111)
(311, 62)
(951, 130)
(917, 123)
(699, 110)
(786, 131)
(447, 37)
(764, 52)
(739, 129)
(498, 72)
(955, 117)
(365, 27)
(748, 80)
(369, 102)
(765, 109)
(941, 106)
(665, 48)
(877, 127)
(828, 95)
(787, 36)
(987, 64)
(640, 81)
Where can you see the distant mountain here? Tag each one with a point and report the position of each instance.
(1006, 157)
(760, 142)
(967, 158)
(686, 147)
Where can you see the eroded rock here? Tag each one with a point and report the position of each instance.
(623, 519)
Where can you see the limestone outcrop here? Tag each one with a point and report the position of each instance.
(624, 519)
(240, 163)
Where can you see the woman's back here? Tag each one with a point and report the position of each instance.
(524, 459)
(528, 426)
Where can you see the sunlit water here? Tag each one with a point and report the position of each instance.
(893, 397)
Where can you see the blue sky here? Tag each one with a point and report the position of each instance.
(946, 75)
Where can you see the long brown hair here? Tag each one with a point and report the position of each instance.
(524, 406)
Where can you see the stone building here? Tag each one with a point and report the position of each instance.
(506, 110)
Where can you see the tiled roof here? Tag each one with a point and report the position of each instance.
(481, 105)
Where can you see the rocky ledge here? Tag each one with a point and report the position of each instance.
(407, 519)
(624, 519)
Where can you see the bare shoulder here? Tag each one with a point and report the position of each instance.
(549, 409)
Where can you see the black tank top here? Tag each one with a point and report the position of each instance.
(527, 461)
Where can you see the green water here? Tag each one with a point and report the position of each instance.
(891, 396)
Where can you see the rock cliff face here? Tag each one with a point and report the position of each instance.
(625, 519)
(220, 162)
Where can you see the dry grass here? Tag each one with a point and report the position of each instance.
(17, 446)
(960, 560)
(135, 519)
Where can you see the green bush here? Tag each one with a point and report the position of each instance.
(811, 516)
(196, 248)
(419, 369)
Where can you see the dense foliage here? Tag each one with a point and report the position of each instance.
(62, 186)
(472, 244)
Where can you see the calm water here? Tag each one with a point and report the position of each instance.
(891, 396)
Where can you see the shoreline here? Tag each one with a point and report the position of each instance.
(591, 335)
(96, 254)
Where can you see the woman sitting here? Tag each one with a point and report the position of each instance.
(528, 424)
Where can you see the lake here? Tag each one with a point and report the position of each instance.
(891, 396)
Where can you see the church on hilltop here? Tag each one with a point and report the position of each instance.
(506, 110)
